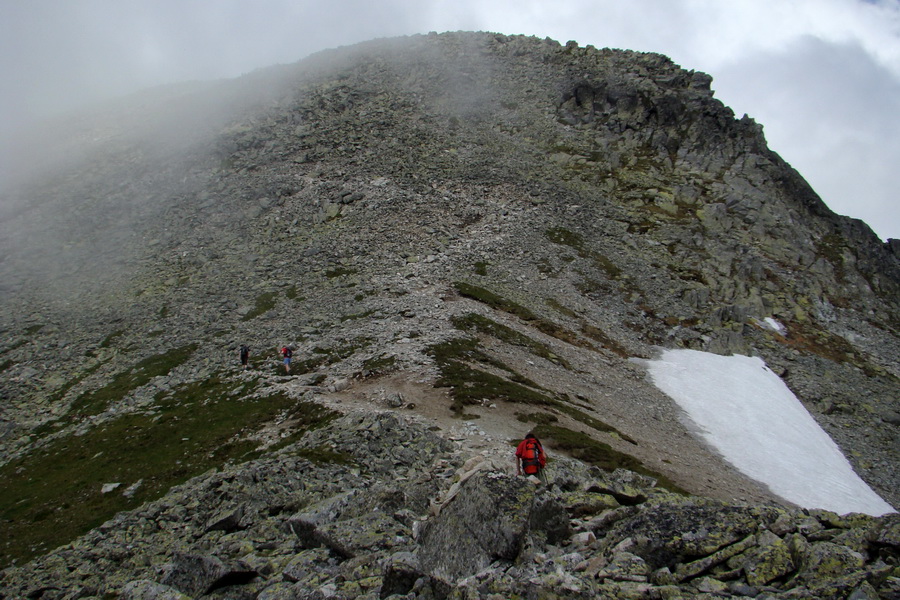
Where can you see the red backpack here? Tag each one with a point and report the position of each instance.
(532, 458)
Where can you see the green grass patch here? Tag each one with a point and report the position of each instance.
(292, 294)
(500, 303)
(476, 322)
(587, 449)
(56, 424)
(53, 495)
(94, 402)
(598, 335)
(16, 345)
(470, 386)
(493, 300)
(337, 353)
(379, 365)
(264, 303)
(545, 267)
(810, 338)
(595, 424)
(607, 266)
(560, 308)
(564, 237)
(481, 268)
(319, 356)
(541, 418)
(300, 365)
(589, 286)
(469, 350)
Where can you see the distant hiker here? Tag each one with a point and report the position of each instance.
(287, 352)
(530, 457)
(245, 355)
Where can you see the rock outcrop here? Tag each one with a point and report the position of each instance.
(438, 523)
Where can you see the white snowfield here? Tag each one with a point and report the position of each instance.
(748, 414)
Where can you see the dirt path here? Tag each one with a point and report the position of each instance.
(494, 433)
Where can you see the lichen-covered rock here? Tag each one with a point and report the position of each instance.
(623, 493)
(227, 520)
(150, 590)
(583, 503)
(486, 521)
(336, 533)
(193, 574)
(305, 524)
(709, 585)
(551, 518)
(401, 572)
(283, 591)
(625, 566)
(702, 565)
(666, 534)
(826, 560)
(377, 532)
(887, 533)
(770, 560)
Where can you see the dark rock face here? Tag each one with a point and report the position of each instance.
(193, 575)
(485, 227)
(668, 534)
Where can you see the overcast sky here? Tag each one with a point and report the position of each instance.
(821, 76)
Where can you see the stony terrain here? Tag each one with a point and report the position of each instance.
(466, 236)
(378, 506)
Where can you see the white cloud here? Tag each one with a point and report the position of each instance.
(782, 62)
(827, 109)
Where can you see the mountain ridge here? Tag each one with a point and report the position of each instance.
(560, 208)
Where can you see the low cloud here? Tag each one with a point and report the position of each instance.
(822, 76)
(841, 133)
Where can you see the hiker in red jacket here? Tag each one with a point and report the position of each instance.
(530, 457)
(287, 352)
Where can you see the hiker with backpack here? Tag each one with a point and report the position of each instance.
(287, 352)
(245, 356)
(531, 458)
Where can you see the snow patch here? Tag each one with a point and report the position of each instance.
(747, 413)
(772, 325)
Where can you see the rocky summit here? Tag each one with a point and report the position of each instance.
(463, 237)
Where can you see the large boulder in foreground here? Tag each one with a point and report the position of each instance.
(488, 520)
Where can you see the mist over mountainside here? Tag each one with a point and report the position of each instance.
(476, 232)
